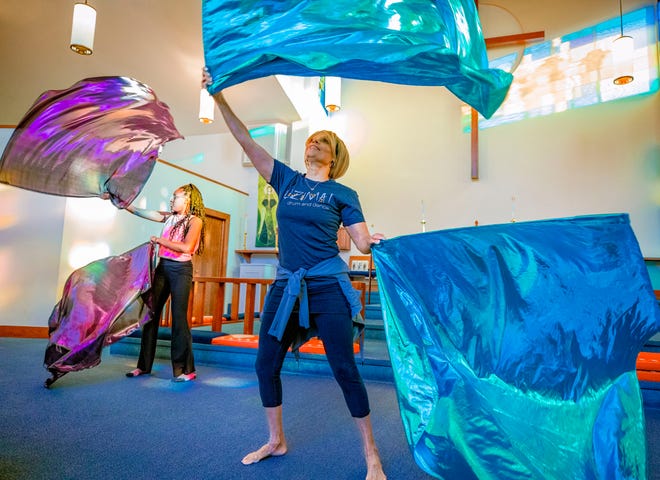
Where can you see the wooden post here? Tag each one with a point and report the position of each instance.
(516, 39)
(474, 144)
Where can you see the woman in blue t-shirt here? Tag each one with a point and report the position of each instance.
(312, 294)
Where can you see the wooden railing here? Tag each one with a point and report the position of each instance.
(207, 302)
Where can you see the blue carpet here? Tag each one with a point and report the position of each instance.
(98, 424)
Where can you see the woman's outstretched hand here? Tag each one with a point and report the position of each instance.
(206, 77)
(208, 80)
(377, 237)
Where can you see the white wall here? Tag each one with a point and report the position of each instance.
(598, 159)
(31, 226)
(43, 238)
(97, 222)
(406, 147)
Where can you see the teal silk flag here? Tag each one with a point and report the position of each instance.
(514, 346)
(411, 42)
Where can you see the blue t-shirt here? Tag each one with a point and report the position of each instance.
(309, 214)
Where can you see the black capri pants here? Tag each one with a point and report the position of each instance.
(330, 313)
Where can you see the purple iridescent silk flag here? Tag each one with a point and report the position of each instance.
(101, 303)
(99, 137)
(410, 42)
(513, 347)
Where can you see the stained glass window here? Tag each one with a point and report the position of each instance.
(576, 70)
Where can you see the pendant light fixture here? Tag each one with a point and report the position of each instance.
(332, 94)
(623, 50)
(82, 29)
(206, 106)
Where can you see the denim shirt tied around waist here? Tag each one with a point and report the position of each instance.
(296, 289)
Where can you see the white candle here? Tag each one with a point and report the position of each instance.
(423, 218)
(245, 228)
(513, 209)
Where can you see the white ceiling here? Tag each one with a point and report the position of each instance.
(158, 42)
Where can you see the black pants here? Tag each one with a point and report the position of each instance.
(330, 313)
(173, 279)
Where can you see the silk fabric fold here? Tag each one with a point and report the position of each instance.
(514, 346)
(101, 303)
(99, 137)
(411, 42)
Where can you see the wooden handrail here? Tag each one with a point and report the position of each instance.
(198, 300)
(199, 293)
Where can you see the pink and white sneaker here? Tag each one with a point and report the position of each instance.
(185, 377)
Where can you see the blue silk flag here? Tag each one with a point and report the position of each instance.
(411, 42)
(513, 347)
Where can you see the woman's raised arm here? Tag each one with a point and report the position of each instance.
(259, 157)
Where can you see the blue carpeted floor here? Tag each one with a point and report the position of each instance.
(98, 424)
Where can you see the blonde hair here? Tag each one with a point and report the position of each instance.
(340, 155)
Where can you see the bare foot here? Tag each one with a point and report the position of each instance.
(375, 469)
(268, 450)
(376, 474)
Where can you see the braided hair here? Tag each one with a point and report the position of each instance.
(196, 208)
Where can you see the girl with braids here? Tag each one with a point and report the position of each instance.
(181, 238)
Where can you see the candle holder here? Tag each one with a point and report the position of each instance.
(513, 209)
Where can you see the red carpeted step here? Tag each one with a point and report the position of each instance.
(648, 361)
(237, 340)
(315, 345)
(648, 366)
(648, 376)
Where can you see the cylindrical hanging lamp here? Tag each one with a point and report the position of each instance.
(623, 51)
(332, 94)
(82, 29)
(206, 106)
